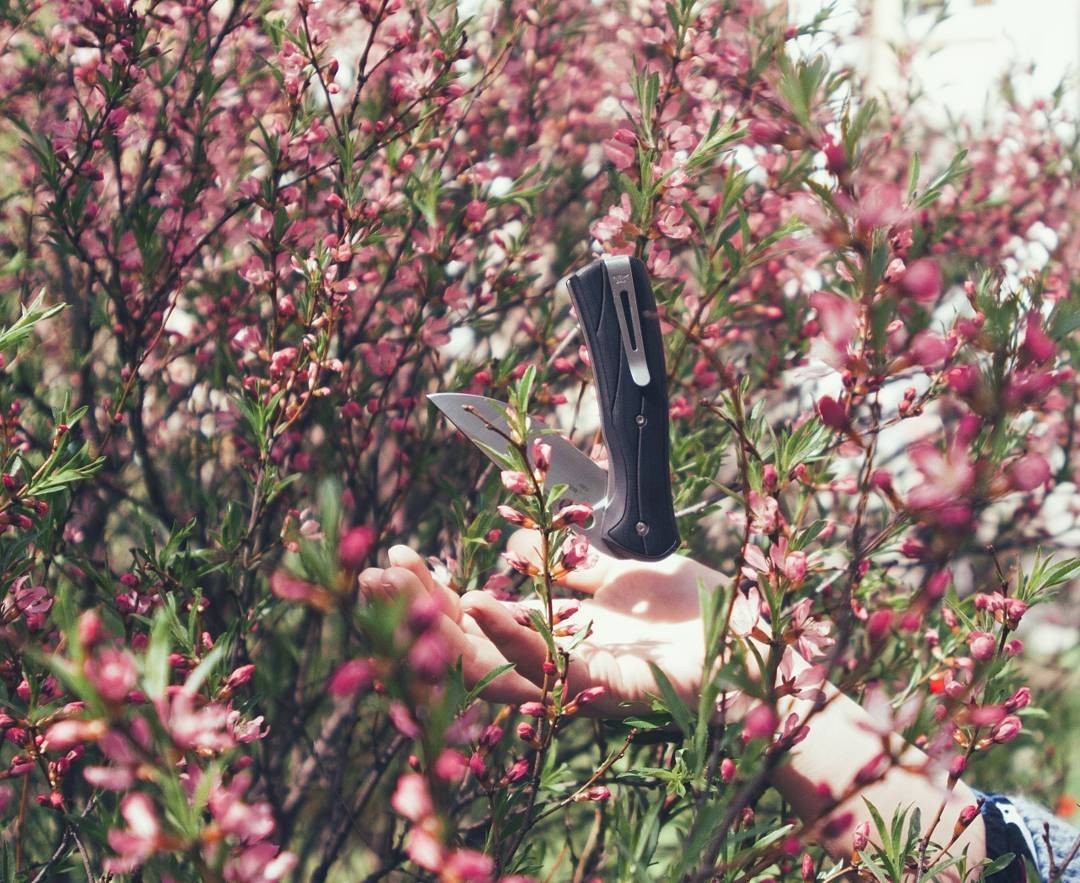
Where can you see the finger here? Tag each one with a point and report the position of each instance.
(478, 655)
(406, 557)
(518, 643)
(481, 659)
(585, 579)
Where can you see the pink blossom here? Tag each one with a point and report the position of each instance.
(429, 656)
(450, 765)
(839, 320)
(411, 798)
(402, 720)
(259, 863)
(139, 841)
(745, 612)
(66, 734)
(946, 479)
(204, 728)
(112, 673)
(425, 849)
(31, 600)
(672, 223)
(929, 349)
(540, 457)
(575, 552)
(922, 280)
(469, 866)
(811, 636)
(764, 512)
(620, 150)
(520, 563)
(247, 822)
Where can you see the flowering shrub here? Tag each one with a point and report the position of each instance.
(241, 242)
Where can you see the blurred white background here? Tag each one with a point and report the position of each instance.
(963, 54)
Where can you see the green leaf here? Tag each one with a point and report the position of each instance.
(482, 684)
(156, 661)
(672, 701)
(202, 671)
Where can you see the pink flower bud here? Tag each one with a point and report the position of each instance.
(1014, 612)
(1020, 699)
(590, 694)
(598, 793)
(983, 645)
(355, 546)
(1007, 730)
(575, 513)
(520, 563)
(860, 837)
(516, 482)
(514, 517)
(1028, 472)
(350, 678)
(532, 709)
(727, 770)
(91, 631)
(541, 456)
(831, 413)
(838, 824)
(895, 271)
(526, 731)
(760, 723)
(240, 676)
(491, 736)
(518, 771)
(1037, 346)
(879, 624)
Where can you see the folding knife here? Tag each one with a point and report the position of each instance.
(633, 514)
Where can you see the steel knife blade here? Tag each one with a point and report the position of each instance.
(482, 420)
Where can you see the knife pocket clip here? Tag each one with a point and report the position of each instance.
(621, 281)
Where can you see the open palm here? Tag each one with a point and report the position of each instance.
(639, 614)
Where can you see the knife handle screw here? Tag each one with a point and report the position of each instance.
(640, 420)
(642, 528)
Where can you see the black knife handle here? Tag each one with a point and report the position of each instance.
(639, 521)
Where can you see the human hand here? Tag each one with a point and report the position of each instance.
(640, 613)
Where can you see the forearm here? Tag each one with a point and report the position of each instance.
(839, 746)
(827, 779)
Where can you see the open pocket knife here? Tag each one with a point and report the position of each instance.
(633, 514)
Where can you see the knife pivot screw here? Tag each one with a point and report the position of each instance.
(642, 528)
(640, 420)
